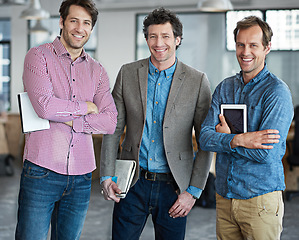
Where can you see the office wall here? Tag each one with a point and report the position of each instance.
(116, 39)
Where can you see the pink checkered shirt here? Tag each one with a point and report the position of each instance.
(59, 89)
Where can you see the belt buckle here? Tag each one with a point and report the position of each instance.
(150, 179)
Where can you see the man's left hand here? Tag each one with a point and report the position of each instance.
(182, 205)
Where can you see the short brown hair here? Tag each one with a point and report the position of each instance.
(162, 16)
(251, 21)
(88, 5)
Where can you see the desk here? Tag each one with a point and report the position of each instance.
(3, 138)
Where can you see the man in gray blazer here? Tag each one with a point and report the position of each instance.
(160, 101)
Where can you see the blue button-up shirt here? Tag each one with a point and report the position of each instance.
(152, 154)
(244, 173)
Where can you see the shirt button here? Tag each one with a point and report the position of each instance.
(74, 80)
(151, 159)
(74, 96)
(153, 140)
(156, 102)
(154, 121)
(159, 84)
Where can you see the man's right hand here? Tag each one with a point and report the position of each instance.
(92, 108)
(222, 127)
(110, 188)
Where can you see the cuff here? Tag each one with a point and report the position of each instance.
(194, 191)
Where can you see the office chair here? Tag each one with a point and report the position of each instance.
(293, 158)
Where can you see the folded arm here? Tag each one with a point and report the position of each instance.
(271, 130)
(94, 115)
(252, 140)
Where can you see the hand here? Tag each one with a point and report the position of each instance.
(110, 188)
(222, 127)
(182, 205)
(256, 140)
(92, 108)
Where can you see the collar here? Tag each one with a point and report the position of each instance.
(61, 50)
(168, 72)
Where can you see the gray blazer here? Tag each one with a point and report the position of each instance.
(187, 106)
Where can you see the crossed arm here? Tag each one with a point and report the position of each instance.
(91, 109)
(252, 140)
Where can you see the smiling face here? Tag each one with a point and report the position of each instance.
(250, 51)
(76, 30)
(162, 45)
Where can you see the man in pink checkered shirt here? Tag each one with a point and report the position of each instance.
(70, 89)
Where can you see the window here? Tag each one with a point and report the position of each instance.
(232, 17)
(4, 64)
(285, 26)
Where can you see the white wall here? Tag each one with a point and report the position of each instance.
(116, 25)
(116, 40)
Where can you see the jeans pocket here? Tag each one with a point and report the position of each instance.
(87, 176)
(33, 171)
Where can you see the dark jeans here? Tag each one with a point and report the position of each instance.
(144, 198)
(45, 197)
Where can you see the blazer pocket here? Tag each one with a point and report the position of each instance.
(186, 155)
(127, 147)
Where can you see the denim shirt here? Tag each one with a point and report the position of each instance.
(152, 153)
(244, 173)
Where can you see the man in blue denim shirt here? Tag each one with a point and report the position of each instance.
(249, 170)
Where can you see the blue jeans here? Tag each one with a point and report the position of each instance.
(144, 198)
(45, 197)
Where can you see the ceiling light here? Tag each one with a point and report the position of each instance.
(35, 11)
(13, 2)
(215, 5)
(38, 28)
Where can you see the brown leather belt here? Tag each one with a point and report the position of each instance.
(152, 176)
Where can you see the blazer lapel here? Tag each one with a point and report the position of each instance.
(177, 81)
(142, 79)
